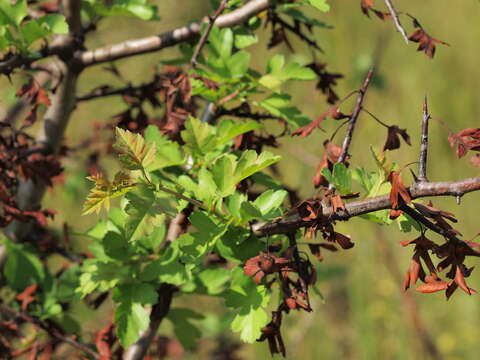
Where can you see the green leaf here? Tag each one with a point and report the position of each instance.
(184, 330)
(196, 244)
(12, 13)
(116, 246)
(238, 64)
(321, 5)
(130, 320)
(135, 154)
(214, 279)
(137, 8)
(249, 163)
(167, 269)
(250, 300)
(269, 203)
(228, 130)
(101, 275)
(55, 23)
(199, 137)
(143, 214)
(168, 152)
(223, 174)
(342, 178)
(279, 105)
(22, 267)
(277, 73)
(244, 38)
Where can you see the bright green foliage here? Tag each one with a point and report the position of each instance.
(22, 268)
(131, 317)
(136, 8)
(321, 5)
(20, 34)
(168, 152)
(341, 177)
(143, 213)
(105, 190)
(277, 73)
(249, 301)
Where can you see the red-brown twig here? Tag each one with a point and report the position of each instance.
(52, 331)
(365, 206)
(422, 168)
(204, 37)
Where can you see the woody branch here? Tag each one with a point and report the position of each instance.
(368, 205)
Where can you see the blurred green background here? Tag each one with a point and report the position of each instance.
(363, 313)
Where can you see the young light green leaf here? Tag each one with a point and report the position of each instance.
(269, 203)
(250, 300)
(199, 137)
(168, 152)
(135, 154)
(104, 191)
(249, 163)
(143, 213)
(321, 5)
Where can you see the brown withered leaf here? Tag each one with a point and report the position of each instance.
(343, 240)
(337, 203)
(432, 287)
(399, 192)
(393, 138)
(426, 43)
(26, 296)
(394, 213)
(367, 5)
(326, 81)
(315, 249)
(104, 339)
(329, 158)
(263, 264)
(465, 140)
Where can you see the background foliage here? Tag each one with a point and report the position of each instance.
(363, 312)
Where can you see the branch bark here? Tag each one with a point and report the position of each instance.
(353, 119)
(52, 331)
(422, 167)
(55, 120)
(368, 205)
(154, 43)
(396, 20)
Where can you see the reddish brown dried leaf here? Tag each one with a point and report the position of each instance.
(460, 280)
(432, 287)
(26, 296)
(393, 138)
(344, 241)
(399, 192)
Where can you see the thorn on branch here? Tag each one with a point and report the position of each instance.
(422, 168)
(396, 20)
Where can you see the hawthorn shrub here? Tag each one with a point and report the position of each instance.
(196, 207)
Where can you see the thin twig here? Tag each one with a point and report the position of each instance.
(422, 168)
(49, 329)
(171, 38)
(354, 117)
(396, 20)
(204, 37)
(375, 118)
